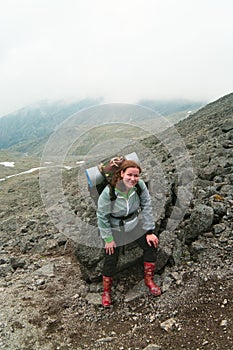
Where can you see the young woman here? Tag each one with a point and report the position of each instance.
(128, 218)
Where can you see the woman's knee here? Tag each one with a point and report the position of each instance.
(149, 254)
(110, 263)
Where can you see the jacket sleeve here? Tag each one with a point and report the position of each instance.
(103, 215)
(146, 207)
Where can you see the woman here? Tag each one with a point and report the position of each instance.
(128, 218)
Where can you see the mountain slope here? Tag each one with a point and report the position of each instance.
(36, 122)
(209, 118)
(28, 129)
(171, 107)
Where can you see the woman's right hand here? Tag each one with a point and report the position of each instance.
(109, 247)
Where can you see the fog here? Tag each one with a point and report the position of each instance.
(123, 50)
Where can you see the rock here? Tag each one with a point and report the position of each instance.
(197, 248)
(223, 323)
(177, 252)
(83, 290)
(39, 282)
(153, 347)
(94, 298)
(201, 138)
(167, 283)
(227, 125)
(106, 340)
(200, 221)
(17, 262)
(61, 239)
(227, 144)
(5, 269)
(227, 190)
(209, 172)
(4, 260)
(167, 241)
(169, 324)
(46, 270)
(51, 243)
(11, 190)
(137, 291)
(217, 229)
(219, 208)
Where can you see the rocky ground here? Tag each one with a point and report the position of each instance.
(47, 305)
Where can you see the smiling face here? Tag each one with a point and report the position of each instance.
(130, 177)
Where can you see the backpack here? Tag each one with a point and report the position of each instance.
(100, 176)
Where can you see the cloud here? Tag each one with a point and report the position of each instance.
(124, 50)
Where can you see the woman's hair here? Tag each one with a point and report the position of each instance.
(125, 165)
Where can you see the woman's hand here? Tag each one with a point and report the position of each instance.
(109, 247)
(152, 240)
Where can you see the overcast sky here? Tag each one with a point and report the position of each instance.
(123, 50)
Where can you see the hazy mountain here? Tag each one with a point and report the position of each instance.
(27, 129)
(172, 107)
(36, 122)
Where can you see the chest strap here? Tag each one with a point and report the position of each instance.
(131, 215)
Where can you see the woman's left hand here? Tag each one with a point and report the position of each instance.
(152, 240)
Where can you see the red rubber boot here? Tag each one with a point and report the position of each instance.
(149, 270)
(106, 296)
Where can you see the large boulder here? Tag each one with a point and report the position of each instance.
(200, 221)
(169, 250)
(91, 260)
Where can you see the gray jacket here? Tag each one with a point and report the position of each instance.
(109, 213)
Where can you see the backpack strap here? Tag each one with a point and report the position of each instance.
(112, 193)
(138, 189)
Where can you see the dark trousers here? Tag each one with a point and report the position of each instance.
(110, 262)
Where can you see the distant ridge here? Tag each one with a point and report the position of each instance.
(27, 130)
(34, 123)
(168, 107)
